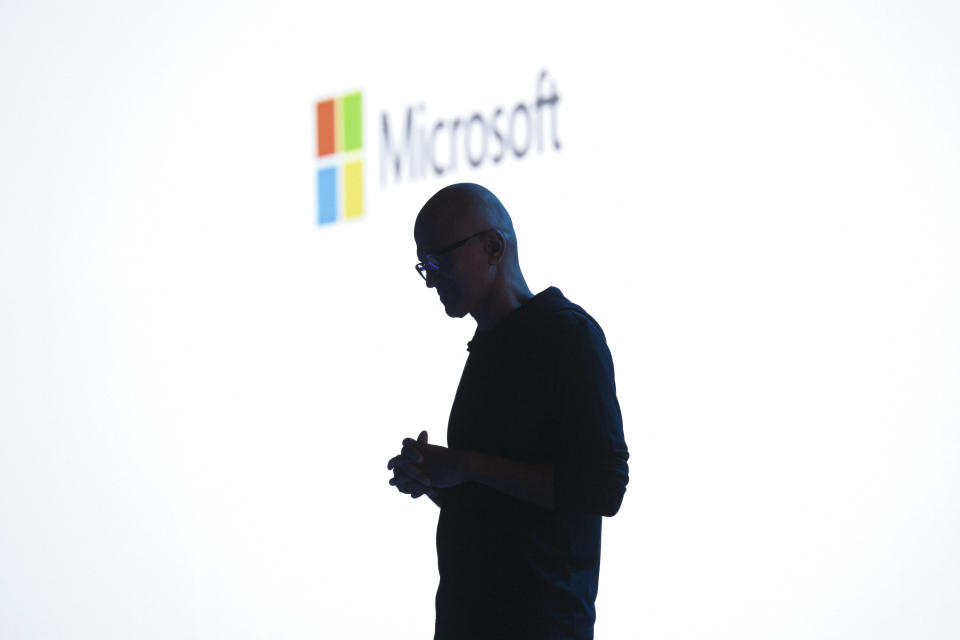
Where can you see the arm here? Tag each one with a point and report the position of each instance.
(531, 483)
(590, 485)
(593, 484)
(423, 468)
(592, 474)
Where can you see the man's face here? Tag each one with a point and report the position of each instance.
(460, 281)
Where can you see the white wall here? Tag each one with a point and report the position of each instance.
(200, 387)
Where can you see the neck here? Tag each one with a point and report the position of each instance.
(501, 303)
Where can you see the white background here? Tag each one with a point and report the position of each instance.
(200, 387)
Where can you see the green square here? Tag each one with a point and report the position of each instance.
(353, 121)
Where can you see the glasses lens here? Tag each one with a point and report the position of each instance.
(428, 267)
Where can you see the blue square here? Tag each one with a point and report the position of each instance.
(326, 195)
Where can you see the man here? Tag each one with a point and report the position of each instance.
(536, 449)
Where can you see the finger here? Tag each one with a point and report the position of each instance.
(404, 484)
(411, 453)
(422, 438)
(413, 472)
(394, 461)
(407, 485)
(406, 472)
(404, 469)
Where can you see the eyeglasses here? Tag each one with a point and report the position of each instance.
(431, 265)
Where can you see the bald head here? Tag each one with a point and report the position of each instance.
(460, 210)
(467, 235)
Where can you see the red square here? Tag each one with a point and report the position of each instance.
(326, 142)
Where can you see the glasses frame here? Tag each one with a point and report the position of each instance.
(425, 266)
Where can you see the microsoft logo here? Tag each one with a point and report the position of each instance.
(339, 159)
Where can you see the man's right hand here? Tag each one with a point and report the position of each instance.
(406, 481)
(408, 477)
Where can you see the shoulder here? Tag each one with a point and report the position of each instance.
(567, 322)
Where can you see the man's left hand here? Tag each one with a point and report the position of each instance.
(443, 467)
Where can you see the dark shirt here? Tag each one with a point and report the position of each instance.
(537, 388)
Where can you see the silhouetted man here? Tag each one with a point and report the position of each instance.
(536, 449)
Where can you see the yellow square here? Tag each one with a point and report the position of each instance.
(353, 189)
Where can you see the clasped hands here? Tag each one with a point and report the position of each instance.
(422, 468)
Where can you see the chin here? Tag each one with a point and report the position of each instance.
(454, 312)
(453, 309)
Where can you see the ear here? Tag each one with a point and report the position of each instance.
(495, 245)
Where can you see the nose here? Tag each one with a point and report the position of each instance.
(431, 279)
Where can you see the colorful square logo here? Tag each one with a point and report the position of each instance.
(340, 158)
